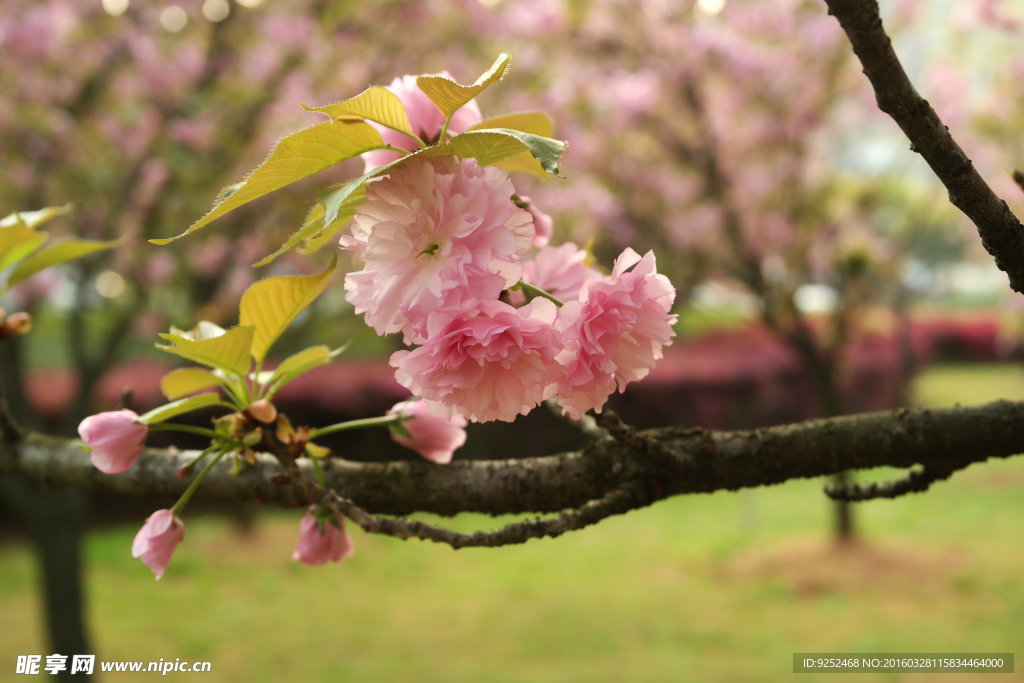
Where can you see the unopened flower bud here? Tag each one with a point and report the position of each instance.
(116, 439)
(16, 325)
(263, 410)
(157, 539)
(253, 437)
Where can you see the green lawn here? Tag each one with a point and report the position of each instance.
(722, 587)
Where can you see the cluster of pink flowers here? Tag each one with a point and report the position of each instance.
(443, 241)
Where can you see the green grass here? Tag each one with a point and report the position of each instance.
(721, 587)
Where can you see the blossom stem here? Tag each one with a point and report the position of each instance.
(180, 505)
(319, 472)
(187, 468)
(392, 148)
(168, 427)
(444, 130)
(381, 421)
(415, 137)
(537, 291)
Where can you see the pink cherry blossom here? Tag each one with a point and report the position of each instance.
(433, 437)
(116, 438)
(559, 271)
(315, 548)
(424, 117)
(492, 364)
(157, 539)
(434, 234)
(614, 332)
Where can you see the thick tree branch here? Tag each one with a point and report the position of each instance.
(1001, 232)
(696, 461)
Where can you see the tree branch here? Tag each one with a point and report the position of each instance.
(1001, 232)
(695, 461)
(917, 481)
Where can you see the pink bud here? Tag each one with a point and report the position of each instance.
(314, 548)
(157, 539)
(116, 439)
(543, 225)
(264, 411)
(435, 438)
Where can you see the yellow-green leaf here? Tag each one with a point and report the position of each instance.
(33, 219)
(185, 405)
(296, 157)
(270, 305)
(17, 242)
(336, 200)
(61, 252)
(498, 144)
(329, 235)
(314, 229)
(204, 329)
(535, 122)
(185, 381)
(449, 96)
(299, 363)
(376, 104)
(228, 352)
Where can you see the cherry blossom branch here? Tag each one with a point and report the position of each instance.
(1001, 231)
(695, 461)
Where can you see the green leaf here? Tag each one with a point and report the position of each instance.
(300, 363)
(376, 104)
(17, 242)
(33, 219)
(185, 405)
(296, 157)
(535, 122)
(334, 201)
(61, 252)
(185, 381)
(498, 144)
(449, 96)
(314, 228)
(271, 305)
(228, 352)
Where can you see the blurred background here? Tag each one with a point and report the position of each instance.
(819, 271)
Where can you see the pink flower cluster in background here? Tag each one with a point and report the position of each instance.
(443, 241)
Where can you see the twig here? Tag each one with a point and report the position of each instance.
(916, 481)
(586, 424)
(621, 499)
(629, 437)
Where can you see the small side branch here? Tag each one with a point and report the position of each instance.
(916, 481)
(623, 498)
(618, 501)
